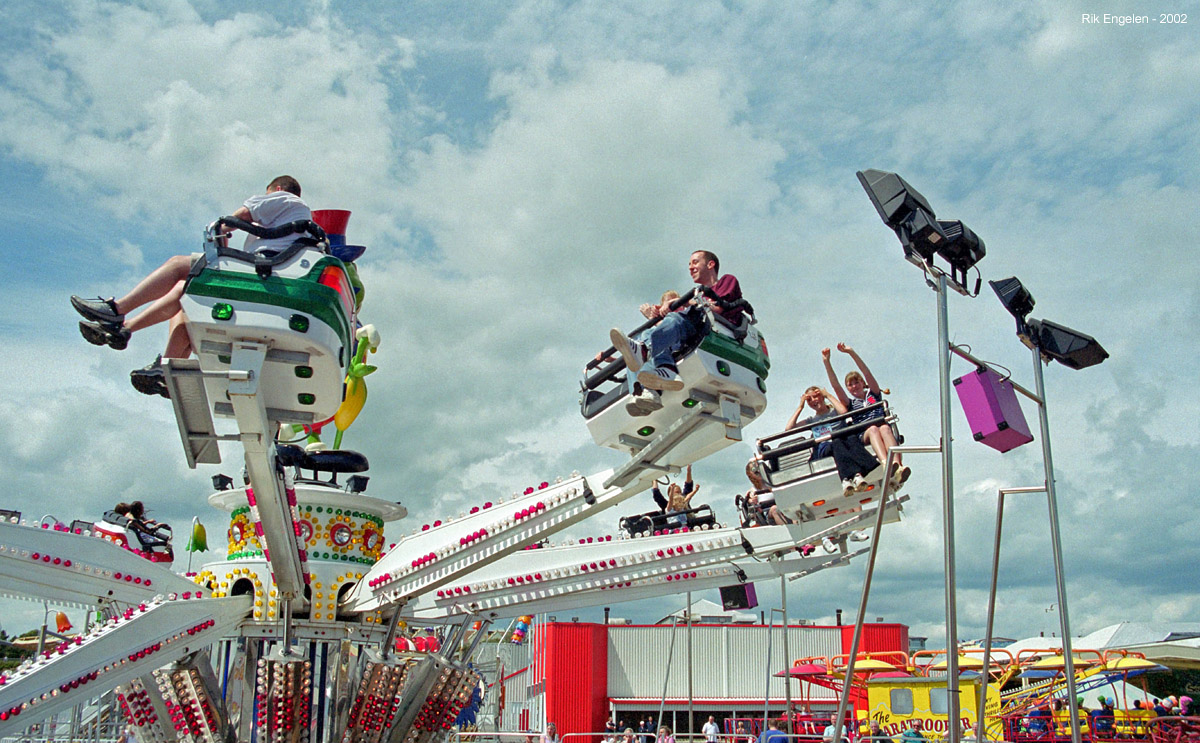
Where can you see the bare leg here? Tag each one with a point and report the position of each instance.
(160, 281)
(872, 437)
(165, 307)
(889, 440)
(882, 441)
(179, 345)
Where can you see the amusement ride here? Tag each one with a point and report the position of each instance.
(296, 635)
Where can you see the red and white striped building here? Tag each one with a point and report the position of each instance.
(578, 674)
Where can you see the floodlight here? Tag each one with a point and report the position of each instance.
(357, 483)
(921, 233)
(905, 210)
(1053, 341)
(1014, 296)
(1066, 346)
(963, 248)
(222, 482)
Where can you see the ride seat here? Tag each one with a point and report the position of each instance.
(738, 331)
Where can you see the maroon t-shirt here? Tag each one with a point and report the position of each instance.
(728, 289)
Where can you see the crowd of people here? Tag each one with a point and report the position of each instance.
(1104, 721)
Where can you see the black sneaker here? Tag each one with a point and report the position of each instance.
(99, 309)
(150, 379)
(113, 335)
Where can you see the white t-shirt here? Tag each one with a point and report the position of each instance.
(711, 731)
(272, 210)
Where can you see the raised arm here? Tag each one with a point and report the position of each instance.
(687, 497)
(659, 500)
(868, 377)
(835, 403)
(833, 380)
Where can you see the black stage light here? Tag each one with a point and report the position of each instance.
(1014, 296)
(1066, 346)
(222, 482)
(357, 483)
(963, 248)
(921, 234)
(904, 209)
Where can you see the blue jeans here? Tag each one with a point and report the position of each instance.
(667, 338)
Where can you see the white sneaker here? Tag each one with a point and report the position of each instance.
(632, 351)
(859, 536)
(659, 378)
(848, 488)
(829, 545)
(860, 484)
(644, 404)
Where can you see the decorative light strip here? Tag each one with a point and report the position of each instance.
(492, 530)
(36, 663)
(612, 571)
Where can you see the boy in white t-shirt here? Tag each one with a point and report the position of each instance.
(105, 323)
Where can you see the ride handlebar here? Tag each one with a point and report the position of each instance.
(269, 233)
(798, 446)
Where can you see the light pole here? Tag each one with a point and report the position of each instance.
(1051, 342)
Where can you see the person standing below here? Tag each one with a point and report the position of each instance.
(664, 735)
(674, 332)
(912, 734)
(772, 734)
(105, 322)
(711, 730)
(551, 734)
(876, 734)
(830, 731)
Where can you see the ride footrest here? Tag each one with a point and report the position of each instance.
(185, 384)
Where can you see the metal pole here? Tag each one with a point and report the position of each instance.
(285, 610)
(1056, 546)
(42, 634)
(953, 708)
(688, 616)
(767, 692)
(844, 700)
(389, 641)
(662, 702)
(980, 728)
(787, 656)
(991, 610)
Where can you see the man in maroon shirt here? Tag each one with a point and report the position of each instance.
(675, 331)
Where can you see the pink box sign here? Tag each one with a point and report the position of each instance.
(992, 410)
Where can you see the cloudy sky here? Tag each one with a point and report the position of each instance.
(526, 173)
